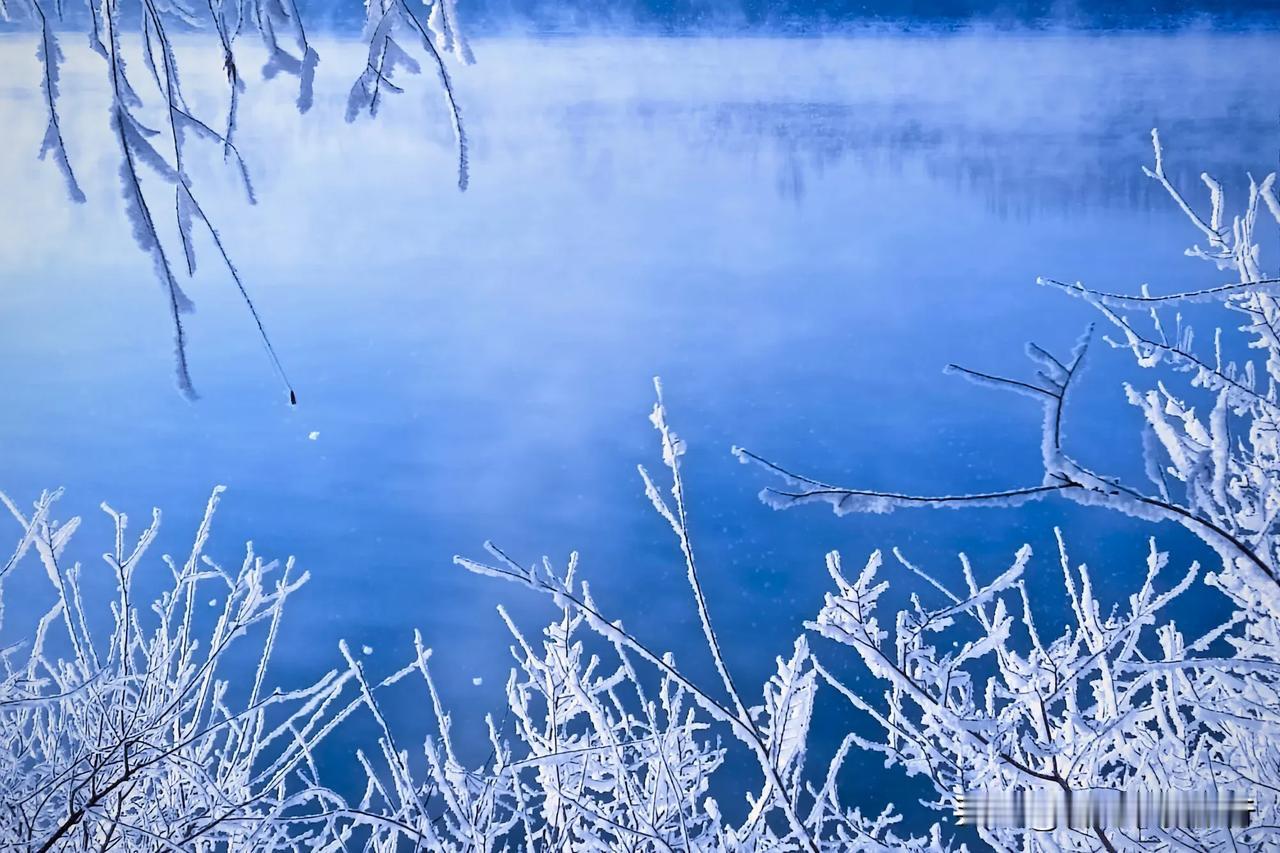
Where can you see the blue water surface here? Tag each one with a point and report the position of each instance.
(796, 234)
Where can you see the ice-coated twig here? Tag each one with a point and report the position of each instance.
(50, 56)
(384, 18)
(289, 50)
(1051, 386)
(774, 733)
(1120, 700)
(135, 739)
(1143, 300)
(1201, 455)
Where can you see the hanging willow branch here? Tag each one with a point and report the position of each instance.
(158, 153)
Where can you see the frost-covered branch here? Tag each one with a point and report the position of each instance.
(384, 20)
(138, 733)
(1228, 495)
(975, 698)
(151, 121)
(610, 729)
(1120, 701)
(166, 731)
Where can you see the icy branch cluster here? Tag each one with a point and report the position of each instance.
(618, 750)
(165, 731)
(1123, 698)
(153, 124)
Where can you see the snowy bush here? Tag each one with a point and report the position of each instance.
(159, 733)
(1122, 699)
(600, 762)
(149, 736)
(153, 124)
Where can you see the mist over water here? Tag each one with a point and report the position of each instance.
(816, 17)
(797, 234)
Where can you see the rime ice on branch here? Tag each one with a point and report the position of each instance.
(151, 735)
(152, 123)
(1112, 703)
(618, 765)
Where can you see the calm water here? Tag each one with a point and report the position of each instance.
(796, 234)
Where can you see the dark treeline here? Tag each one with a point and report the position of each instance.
(814, 16)
(786, 17)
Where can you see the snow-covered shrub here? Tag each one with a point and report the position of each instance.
(165, 732)
(153, 124)
(161, 733)
(613, 746)
(600, 762)
(1122, 699)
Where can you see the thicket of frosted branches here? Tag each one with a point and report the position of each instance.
(1123, 699)
(154, 126)
(137, 739)
(160, 732)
